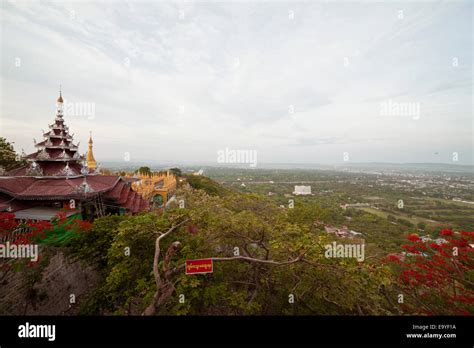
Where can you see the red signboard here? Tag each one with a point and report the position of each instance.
(199, 266)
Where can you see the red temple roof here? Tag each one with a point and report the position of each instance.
(113, 188)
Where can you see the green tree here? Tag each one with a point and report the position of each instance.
(176, 171)
(421, 225)
(8, 156)
(208, 185)
(143, 170)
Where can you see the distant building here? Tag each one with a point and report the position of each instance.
(199, 172)
(428, 238)
(460, 200)
(354, 205)
(404, 253)
(302, 190)
(342, 232)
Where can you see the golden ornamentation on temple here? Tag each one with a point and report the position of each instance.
(157, 188)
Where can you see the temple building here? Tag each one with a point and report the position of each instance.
(56, 177)
(158, 189)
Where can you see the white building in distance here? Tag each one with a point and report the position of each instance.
(302, 190)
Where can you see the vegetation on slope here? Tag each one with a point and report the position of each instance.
(268, 260)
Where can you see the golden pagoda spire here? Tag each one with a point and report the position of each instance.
(91, 163)
(60, 99)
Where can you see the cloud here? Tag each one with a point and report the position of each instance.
(179, 80)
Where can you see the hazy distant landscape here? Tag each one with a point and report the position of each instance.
(382, 167)
(432, 199)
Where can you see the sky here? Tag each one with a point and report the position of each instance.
(293, 82)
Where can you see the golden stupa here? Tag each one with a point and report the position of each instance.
(91, 163)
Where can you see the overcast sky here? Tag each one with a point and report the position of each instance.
(298, 82)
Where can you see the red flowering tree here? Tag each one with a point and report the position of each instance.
(40, 231)
(437, 276)
(7, 222)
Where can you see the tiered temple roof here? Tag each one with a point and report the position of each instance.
(56, 155)
(54, 173)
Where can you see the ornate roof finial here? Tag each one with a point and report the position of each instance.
(85, 187)
(60, 99)
(84, 169)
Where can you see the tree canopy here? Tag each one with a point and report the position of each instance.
(8, 157)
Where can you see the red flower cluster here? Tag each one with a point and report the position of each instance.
(439, 269)
(393, 257)
(7, 222)
(413, 237)
(39, 228)
(61, 217)
(446, 233)
(80, 225)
